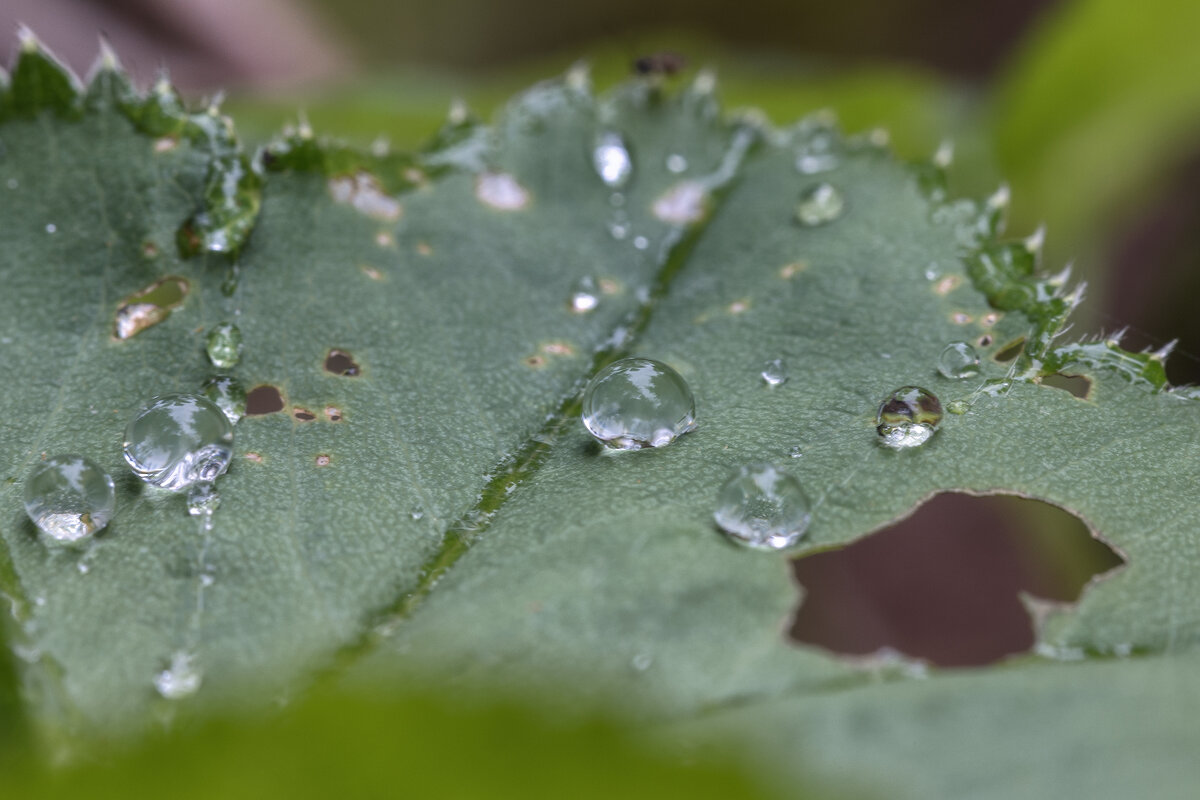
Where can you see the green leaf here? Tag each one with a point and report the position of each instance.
(437, 509)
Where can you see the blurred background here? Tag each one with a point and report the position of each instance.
(1089, 109)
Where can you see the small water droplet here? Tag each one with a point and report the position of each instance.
(51, 227)
(178, 440)
(795, 451)
(775, 372)
(612, 160)
(958, 407)
(638, 402)
(642, 662)
(584, 296)
(501, 191)
(363, 192)
(682, 204)
(959, 360)
(932, 273)
(762, 508)
(228, 395)
(676, 163)
(83, 567)
(13, 183)
(908, 417)
(207, 579)
(69, 498)
(417, 513)
(817, 151)
(819, 205)
(641, 242)
(180, 679)
(224, 345)
(203, 500)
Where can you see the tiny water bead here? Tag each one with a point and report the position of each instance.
(908, 417)
(775, 372)
(638, 402)
(959, 360)
(820, 204)
(224, 345)
(763, 508)
(203, 500)
(612, 160)
(69, 498)
(180, 679)
(178, 440)
(228, 395)
(584, 296)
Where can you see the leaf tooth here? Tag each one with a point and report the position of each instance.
(1163, 352)
(999, 199)
(705, 82)
(1115, 338)
(1062, 277)
(106, 61)
(458, 112)
(943, 157)
(1076, 296)
(1034, 241)
(579, 77)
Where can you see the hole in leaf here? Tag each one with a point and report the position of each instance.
(303, 414)
(985, 340)
(1010, 351)
(322, 460)
(1078, 385)
(944, 584)
(149, 306)
(339, 362)
(263, 400)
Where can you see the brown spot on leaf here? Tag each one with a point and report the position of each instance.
(303, 414)
(255, 457)
(265, 399)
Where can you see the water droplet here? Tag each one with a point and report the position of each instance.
(795, 451)
(676, 163)
(641, 242)
(417, 513)
(775, 372)
(501, 191)
(180, 679)
(612, 160)
(364, 193)
(762, 508)
(959, 407)
(207, 579)
(224, 345)
(908, 417)
(83, 567)
(817, 151)
(583, 296)
(69, 498)
(638, 402)
(13, 183)
(820, 204)
(178, 440)
(228, 395)
(202, 500)
(682, 204)
(51, 228)
(642, 662)
(149, 306)
(959, 360)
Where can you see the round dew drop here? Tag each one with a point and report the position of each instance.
(908, 417)
(611, 159)
(224, 345)
(763, 508)
(178, 440)
(228, 395)
(959, 360)
(775, 372)
(819, 205)
(69, 498)
(638, 402)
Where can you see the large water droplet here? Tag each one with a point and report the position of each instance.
(612, 159)
(584, 295)
(762, 508)
(224, 345)
(638, 402)
(820, 204)
(180, 679)
(203, 500)
(178, 440)
(69, 498)
(959, 360)
(775, 372)
(908, 417)
(228, 395)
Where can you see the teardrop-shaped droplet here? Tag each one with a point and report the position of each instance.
(69, 498)
(177, 440)
(584, 296)
(775, 372)
(224, 345)
(908, 417)
(638, 402)
(959, 360)
(819, 205)
(612, 160)
(228, 395)
(203, 500)
(763, 508)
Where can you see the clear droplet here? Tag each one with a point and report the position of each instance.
(584, 296)
(795, 451)
(820, 204)
(178, 440)
(69, 498)
(203, 500)
(641, 242)
(417, 513)
(638, 402)
(959, 360)
(612, 160)
(959, 407)
(763, 508)
(227, 394)
(224, 345)
(180, 679)
(908, 417)
(676, 163)
(642, 662)
(51, 227)
(817, 150)
(775, 372)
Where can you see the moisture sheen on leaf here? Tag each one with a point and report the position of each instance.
(451, 515)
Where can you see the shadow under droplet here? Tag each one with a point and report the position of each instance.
(944, 584)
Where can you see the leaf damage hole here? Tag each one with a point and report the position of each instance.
(303, 414)
(1078, 385)
(339, 362)
(265, 399)
(986, 340)
(944, 584)
(333, 413)
(322, 460)
(149, 306)
(1010, 351)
